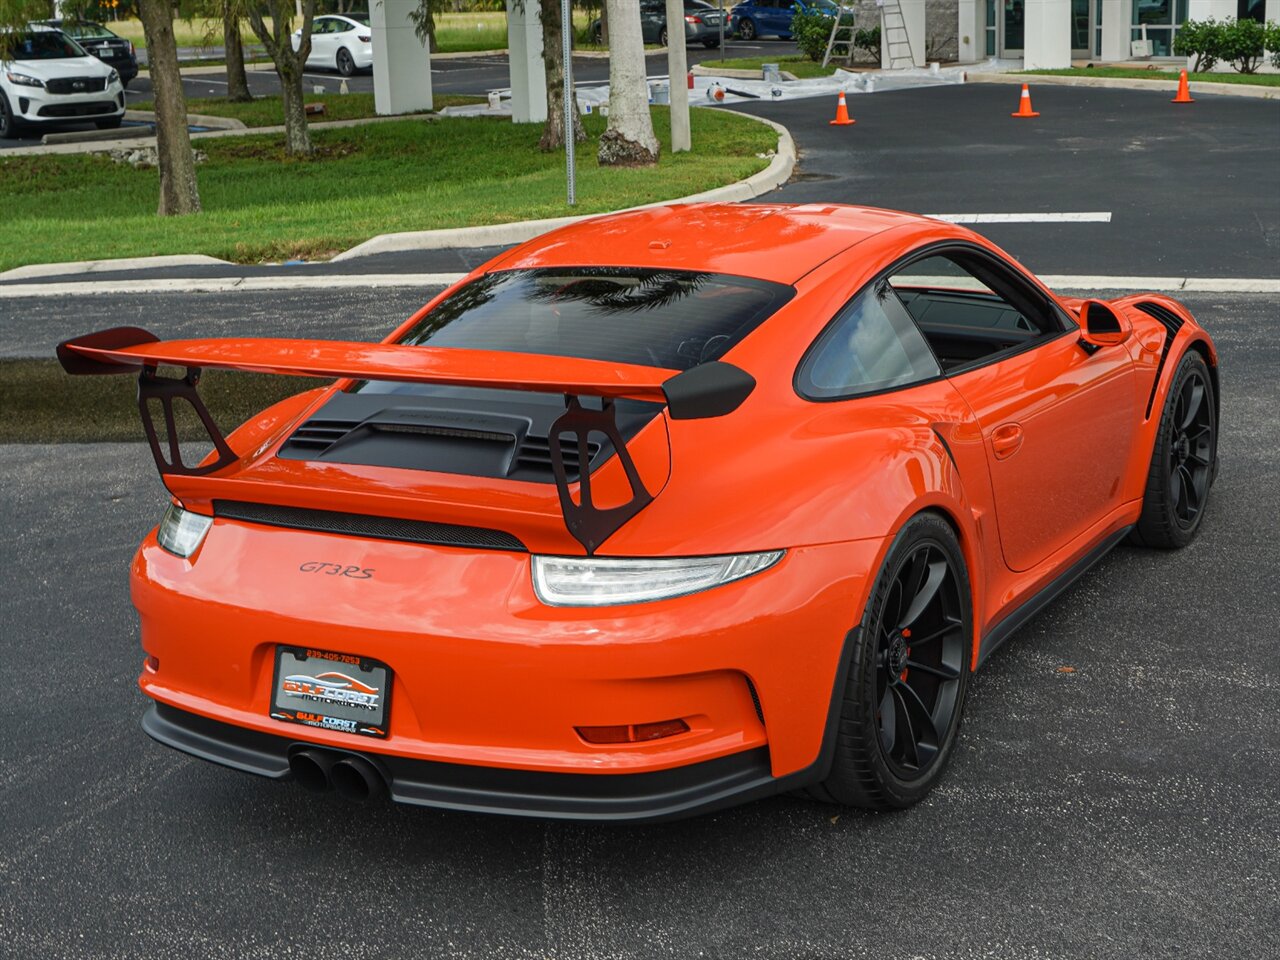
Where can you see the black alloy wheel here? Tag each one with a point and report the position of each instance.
(662, 37)
(1184, 460)
(346, 65)
(908, 674)
(747, 29)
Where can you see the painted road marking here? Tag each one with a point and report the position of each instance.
(296, 279)
(1102, 217)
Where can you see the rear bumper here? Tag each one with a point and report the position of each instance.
(659, 795)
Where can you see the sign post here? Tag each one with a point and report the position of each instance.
(566, 37)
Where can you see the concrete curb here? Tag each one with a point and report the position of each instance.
(698, 70)
(34, 270)
(194, 119)
(500, 234)
(1129, 83)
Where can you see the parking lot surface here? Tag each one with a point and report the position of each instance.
(1113, 793)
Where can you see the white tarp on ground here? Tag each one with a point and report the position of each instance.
(591, 98)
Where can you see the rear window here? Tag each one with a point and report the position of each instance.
(82, 31)
(39, 45)
(657, 318)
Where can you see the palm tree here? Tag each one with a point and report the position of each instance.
(629, 140)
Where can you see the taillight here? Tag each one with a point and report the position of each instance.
(693, 19)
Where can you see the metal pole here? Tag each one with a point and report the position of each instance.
(677, 68)
(721, 29)
(566, 32)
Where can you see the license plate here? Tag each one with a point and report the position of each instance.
(331, 691)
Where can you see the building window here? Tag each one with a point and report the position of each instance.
(1251, 10)
(1161, 18)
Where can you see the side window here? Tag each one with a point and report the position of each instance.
(970, 309)
(871, 345)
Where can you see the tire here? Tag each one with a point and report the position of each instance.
(747, 29)
(10, 127)
(1184, 461)
(597, 35)
(662, 37)
(110, 123)
(898, 683)
(346, 65)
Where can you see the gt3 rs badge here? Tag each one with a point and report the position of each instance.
(337, 570)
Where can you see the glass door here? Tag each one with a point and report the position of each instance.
(1080, 32)
(1014, 25)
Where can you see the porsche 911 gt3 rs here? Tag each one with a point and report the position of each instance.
(656, 513)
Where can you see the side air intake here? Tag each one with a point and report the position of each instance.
(1172, 323)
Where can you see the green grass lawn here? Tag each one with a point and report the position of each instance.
(366, 180)
(1143, 73)
(269, 111)
(801, 66)
(39, 403)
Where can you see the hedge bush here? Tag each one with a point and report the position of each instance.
(811, 31)
(1243, 43)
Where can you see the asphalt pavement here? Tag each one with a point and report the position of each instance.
(1123, 808)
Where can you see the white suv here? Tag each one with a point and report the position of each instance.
(46, 78)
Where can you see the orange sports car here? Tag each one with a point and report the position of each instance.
(654, 514)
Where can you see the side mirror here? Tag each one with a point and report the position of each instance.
(1100, 326)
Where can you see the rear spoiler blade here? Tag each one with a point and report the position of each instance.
(708, 390)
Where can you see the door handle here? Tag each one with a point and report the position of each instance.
(1005, 440)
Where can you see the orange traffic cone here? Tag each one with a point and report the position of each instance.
(1184, 94)
(1024, 105)
(842, 113)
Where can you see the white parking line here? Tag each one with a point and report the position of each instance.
(1103, 217)
(297, 279)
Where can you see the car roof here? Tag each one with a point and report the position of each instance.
(778, 242)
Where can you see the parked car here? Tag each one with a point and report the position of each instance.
(340, 42)
(630, 528)
(772, 18)
(701, 23)
(98, 41)
(48, 78)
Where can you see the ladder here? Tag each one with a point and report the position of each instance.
(842, 33)
(895, 35)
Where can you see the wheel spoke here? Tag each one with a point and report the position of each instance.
(904, 715)
(1193, 396)
(925, 594)
(943, 671)
(888, 720)
(912, 698)
(947, 627)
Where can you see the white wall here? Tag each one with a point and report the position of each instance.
(913, 15)
(1047, 41)
(971, 35)
(401, 63)
(528, 76)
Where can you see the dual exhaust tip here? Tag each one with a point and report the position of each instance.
(349, 775)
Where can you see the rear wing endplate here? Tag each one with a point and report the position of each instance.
(708, 390)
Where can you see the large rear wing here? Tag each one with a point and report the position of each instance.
(708, 390)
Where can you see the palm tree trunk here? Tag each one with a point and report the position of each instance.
(553, 64)
(237, 82)
(178, 191)
(629, 140)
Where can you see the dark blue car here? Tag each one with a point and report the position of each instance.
(772, 18)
